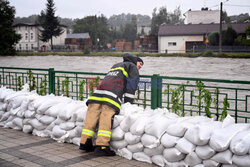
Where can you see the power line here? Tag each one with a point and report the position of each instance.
(237, 5)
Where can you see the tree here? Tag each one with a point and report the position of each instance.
(213, 38)
(229, 36)
(8, 36)
(50, 23)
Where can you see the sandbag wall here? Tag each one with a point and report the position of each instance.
(153, 136)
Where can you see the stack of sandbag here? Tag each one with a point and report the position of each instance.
(52, 116)
(153, 136)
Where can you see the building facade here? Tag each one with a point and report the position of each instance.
(202, 17)
(30, 38)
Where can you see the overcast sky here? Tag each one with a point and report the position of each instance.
(81, 8)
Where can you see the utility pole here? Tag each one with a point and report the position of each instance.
(220, 36)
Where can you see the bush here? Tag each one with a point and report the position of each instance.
(86, 50)
(207, 53)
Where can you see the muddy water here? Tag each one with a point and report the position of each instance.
(201, 67)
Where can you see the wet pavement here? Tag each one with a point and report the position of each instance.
(20, 149)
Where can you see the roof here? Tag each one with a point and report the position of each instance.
(31, 24)
(78, 35)
(198, 29)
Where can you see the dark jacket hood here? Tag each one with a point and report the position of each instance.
(130, 58)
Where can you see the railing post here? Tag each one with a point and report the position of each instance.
(52, 81)
(154, 89)
(159, 92)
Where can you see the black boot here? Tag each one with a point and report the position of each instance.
(88, 146)
(104, 151)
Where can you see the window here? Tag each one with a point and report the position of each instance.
(27, 47)
(32, 46)
(171, 43)
(26, 36)
(20, 47)
(31, 36)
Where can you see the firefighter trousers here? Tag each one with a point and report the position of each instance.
(102, 114)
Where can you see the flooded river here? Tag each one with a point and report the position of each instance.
(201, 67)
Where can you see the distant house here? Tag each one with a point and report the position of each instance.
(78, 41)
(182, 38)
(202, 17)
(30, 37)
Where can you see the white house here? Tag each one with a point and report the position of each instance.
(202, 17)
(30, 37)
(182, 38)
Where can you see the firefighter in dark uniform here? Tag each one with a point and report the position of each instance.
(121, 81)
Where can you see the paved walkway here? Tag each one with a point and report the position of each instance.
(20, 149)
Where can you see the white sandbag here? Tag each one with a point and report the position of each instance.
(241, 161)
(17, 128)
(127, 122)
(128, 109)
(228, 121)
(24, 107)
(117, 134)
(192, 159)
(5, 116)
(67, 126)
(141, 156)
(26, 121)
(58, 121)
(169, 140)
(80, 124)
(119, 144)
(173, 155)
(16, 101)
(68, 111)
(149, 141)
(138, 147)
(40, 133)
(76, 132)
(3, 106)
(51, 126)
(55, 109)
(184, 146)
(221, 138)
(76, 140)
(240, 144)
(224, 157)
(18, 122)
(80, 114)
(211, 163)
(226, 165)
(154, 151)
(204, 152)
(4, 92)
(131, 139)
(38, 116)
(45, 119)
(27, 128)
(29, 114)
(175, 164)
(57, 132)
(158, 160)
(199, 165)
(36, 124)
(10, 118)
(158, 125)
(9, 125)
(1, 113)
(138, 127)
(178, 129)
(117, 120)
(125, 153)
(14, 111)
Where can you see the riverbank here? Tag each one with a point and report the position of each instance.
(142, 54)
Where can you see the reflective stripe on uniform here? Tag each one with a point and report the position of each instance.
(129, 95)
(106, 100)
(88, 132)
(105, 92)
(104, 133)
(120, 68)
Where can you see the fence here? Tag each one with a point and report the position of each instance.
(183, 96)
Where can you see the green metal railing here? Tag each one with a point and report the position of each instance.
(183, 96)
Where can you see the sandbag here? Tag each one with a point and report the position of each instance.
(241, 161)
(58, 132)
(211, 163)
(221, 138)
(138, 127)
(169, 140)
(158, 160)
(184, 146)
(240, 144)
(36, 124)
(67, 126)
(131, 139)
(141, 156)
(118, 144)
(149, 141)
(5, 116)
(18, 122)
(224, 157)
(154, 151)
(173, 155)
(124, 152)
(27, 128)
(29, 114)
(138, 147)
(204, 152)
(178, 129)
(117, 120)
(127, 122)
(46, 119)
(117, 134)
(192, 159)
